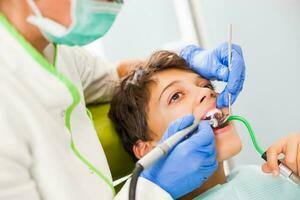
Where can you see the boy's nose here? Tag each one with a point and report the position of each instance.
(205, 94)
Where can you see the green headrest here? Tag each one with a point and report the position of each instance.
(119, 161)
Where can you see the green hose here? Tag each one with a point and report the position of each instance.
(250, 130)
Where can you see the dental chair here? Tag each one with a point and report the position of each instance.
(119, 161)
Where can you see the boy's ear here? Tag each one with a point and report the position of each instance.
(141, 148)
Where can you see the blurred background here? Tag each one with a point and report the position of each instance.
(268, 31)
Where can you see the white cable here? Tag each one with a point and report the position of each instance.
(121, 180)
(34, 8)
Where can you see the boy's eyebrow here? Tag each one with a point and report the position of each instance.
(169, 85)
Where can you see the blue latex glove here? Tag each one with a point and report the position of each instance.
(213, 65)
(189, 163)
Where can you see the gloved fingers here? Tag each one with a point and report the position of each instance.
(235, 78)
(234, 86)
(209, 163)
(237, 74)
(208, 149)
(200, 61)
(189, 51)
(237, 48)
(178, 125)
(208, 166)
(204, 136)
(223, 100)
(181, 123)
(222, 51)
(222, 72)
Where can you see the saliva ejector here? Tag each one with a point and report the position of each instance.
(219, 120)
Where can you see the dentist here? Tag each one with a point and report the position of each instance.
(48, 145)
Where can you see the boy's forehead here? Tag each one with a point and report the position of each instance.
(163, 78)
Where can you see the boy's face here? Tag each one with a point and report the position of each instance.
(177, 93)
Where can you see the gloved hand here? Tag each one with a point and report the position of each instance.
(213, 65)
(189, 163)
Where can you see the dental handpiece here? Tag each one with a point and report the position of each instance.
(285, 171)
(216, 119)
(163, 148)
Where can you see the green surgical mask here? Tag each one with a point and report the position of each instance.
(91, 19)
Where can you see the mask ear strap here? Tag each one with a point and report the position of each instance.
(48, 25)
(34, 8)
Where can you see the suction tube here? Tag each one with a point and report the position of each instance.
(284, 170)
(259, 150)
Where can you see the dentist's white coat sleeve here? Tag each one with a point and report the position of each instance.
(146, 190)
(99, 77)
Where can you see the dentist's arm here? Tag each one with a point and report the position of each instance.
(187, 166)
(124, 67)
(99, 77)
(213, 65)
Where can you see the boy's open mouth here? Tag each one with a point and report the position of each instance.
(217, 118)
(221, 130)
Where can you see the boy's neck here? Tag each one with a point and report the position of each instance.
(217, 178)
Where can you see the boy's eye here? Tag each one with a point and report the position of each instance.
(175, 97)
(209, 85)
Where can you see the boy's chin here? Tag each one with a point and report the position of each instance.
(227, 151)
(222, 158)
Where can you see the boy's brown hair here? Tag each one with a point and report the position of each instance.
(129, 105)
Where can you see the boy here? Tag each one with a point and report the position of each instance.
(163, 89)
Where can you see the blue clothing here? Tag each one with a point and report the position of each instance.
(250, 183)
